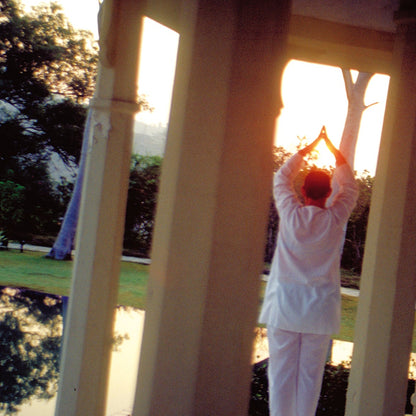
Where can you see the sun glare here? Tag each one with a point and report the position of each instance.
(157, 69)
(314, 95)
(324, 158)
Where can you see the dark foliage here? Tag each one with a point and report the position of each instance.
(353, 252)
(47, 72)
(141, 203)
(333, 393)
(259, 392)
(334, 390)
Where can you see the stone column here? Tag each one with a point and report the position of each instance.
(203, 295)
(385, 317)
(88, 332)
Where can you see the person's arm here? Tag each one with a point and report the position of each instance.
(339, 157)
(284, 194)
(346, 197)
(307, 149)
(322, 135)
(303, 152)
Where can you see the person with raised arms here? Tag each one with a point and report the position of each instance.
(302, 303)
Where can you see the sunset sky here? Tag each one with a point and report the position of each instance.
(313, 95)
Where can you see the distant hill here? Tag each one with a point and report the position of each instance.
(149, 139)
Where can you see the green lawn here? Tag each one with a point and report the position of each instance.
(349, 310)
(348, 314)
(34, 271)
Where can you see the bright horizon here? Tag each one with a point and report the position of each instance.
(313, 94)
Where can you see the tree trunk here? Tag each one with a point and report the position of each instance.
(63, 245)
(355, 94)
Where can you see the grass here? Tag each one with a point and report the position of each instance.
(32, 270)
(348, 313)
(348, 316)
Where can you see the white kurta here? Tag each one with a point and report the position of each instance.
(303, 290)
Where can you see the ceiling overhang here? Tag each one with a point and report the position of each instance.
(320, 41)
(357, 35)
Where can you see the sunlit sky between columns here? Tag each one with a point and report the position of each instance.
(313, 95)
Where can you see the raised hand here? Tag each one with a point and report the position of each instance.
(310, 147)
(322, 134)
(339, 157)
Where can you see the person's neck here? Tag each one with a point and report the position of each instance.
(320, 203)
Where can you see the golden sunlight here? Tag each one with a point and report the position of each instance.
(324, 158)
(157, 69)
(314, 95)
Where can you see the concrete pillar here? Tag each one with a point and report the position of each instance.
(88, 332)
(385, 316)
(203, 296)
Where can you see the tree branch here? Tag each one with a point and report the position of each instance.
(369, 105)
(346, 73)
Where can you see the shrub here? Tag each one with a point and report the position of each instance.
(333, 393)
(334, 390)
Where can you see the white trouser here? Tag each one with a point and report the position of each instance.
(295, 372)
